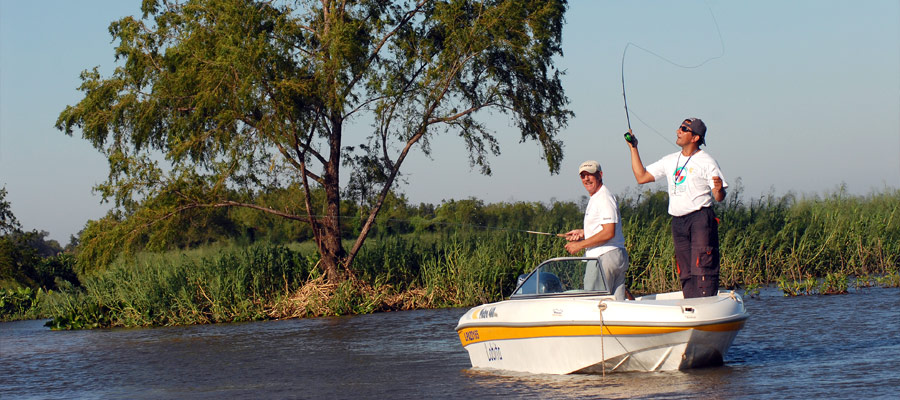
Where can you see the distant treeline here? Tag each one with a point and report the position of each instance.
(458, 253)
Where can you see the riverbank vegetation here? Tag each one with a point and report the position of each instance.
(466, 252)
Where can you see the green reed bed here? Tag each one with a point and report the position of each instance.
(807, 246)
(228, 284)
(179, 289)
(793, 241)
(458, 268)
(471, 269)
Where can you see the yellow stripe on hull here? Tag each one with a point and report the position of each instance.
(486, 333)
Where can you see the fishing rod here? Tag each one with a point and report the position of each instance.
(562, 235)
(628, 136)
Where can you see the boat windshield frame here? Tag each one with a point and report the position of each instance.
(562, 277)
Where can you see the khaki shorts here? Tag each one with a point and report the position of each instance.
(614, 265)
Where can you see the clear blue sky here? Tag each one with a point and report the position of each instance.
(805, 97)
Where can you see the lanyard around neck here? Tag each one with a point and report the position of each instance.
(678, 171)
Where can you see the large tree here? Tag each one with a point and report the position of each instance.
(214, 99)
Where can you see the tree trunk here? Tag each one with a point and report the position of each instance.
(331, 250)
(330, 247)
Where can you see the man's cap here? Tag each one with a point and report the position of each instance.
(698, 127)
(590, 167)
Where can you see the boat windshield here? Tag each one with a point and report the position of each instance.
(563, 275)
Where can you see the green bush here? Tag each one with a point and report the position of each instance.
(18, 303)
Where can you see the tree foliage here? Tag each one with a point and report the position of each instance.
(8, 222)
(217, 101)
(28, 259)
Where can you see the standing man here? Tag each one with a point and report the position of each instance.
(694, 180)
(602, 234)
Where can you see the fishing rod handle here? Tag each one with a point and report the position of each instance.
(630, 138)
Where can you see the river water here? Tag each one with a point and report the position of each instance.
(801, 347)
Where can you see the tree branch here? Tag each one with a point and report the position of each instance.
(406, 18)
(395, 169)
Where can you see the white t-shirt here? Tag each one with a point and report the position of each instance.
(602, 209)
(689, 179)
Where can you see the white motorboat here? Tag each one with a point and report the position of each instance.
(553, 325)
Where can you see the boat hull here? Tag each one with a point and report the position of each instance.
(566, 335)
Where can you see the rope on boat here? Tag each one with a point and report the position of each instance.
(733, 297)
(602, 306)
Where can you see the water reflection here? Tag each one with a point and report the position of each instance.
(706, 382)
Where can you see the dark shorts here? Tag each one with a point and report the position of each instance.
(696, 239)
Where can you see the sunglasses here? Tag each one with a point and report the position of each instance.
(685, 129)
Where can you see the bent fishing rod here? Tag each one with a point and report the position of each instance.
(629, 137)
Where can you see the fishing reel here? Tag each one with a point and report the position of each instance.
(630, 138)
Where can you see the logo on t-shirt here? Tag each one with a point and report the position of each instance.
(680, 176)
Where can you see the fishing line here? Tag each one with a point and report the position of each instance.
(458, 225)
(651, 52)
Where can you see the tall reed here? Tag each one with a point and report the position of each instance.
(179, 289)
(787, 239)
(811, 237)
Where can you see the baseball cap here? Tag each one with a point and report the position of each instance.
(590, 166)
(698, 127)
